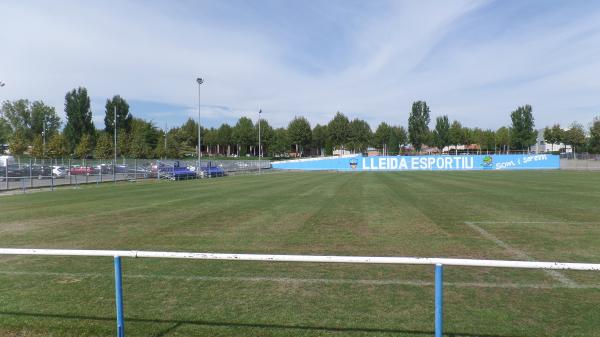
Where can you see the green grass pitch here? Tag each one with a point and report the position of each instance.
(544, 216)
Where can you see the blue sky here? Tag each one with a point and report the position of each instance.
(473, 60)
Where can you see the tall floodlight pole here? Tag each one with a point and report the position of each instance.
(166, 139)
(44, 138)
(259, 147)
(115, 133)
(199, 81)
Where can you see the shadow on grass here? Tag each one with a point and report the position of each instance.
(177, 323)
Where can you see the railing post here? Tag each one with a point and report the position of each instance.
(439, 300)
(119, 298)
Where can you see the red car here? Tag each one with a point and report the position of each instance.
(81, 170)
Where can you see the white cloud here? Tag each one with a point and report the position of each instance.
(391, 56)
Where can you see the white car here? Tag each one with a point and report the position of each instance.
(59, 171)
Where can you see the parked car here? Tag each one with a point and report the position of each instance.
(210, 171)
(12, 171)
(81, 170)
(176, 172)
(59, 171)
(38, 171)
(121, 168)
(103, 169)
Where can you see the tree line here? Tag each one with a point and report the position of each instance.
(26, 126)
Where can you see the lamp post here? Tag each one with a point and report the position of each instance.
(199, 81)
(259, 147)
(115, 140)
(44, 139)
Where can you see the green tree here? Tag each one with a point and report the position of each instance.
(319, 138)
(124, 118)
(138, 148)
(104, 146)
(209, 139)
(455, 135)
(174, 148)
(84, 148)
(143, 138)
(361, 135)
(418, 124)
(382, 137)
(79, 117)
(5, 131)
(161, 151)
(300, 133)
(266, 136)
(441, 134)
(522, 133)
(594, 143)
(224, 138)
(187, 134)
(18, 143)
(37, 148)
(41, 113)
(398, 138)
(281, 143)
(575, 136)
(503, 138)
(553, 135)
(30, 117)
(489, 140)
(123, 140)
(57, 146)
(17, 115)
(339, 131)
(243, 135)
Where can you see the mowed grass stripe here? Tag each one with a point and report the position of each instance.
(407, 213)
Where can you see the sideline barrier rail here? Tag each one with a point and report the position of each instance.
(437, 262)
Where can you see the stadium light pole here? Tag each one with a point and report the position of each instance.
(115, 139)
(199, 81)
(259, 147)
(44, 138)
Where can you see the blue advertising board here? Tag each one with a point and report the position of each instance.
(424, 163)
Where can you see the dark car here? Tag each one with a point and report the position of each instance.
(12, 171)
(211, 171)
(176, 172)
(39, 171)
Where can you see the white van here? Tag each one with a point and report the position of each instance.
(7, 160)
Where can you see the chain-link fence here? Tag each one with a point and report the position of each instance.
(50, 173)
(580, 161)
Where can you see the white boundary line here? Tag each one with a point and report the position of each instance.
(534, 222)
(520, 254)
(204, 278)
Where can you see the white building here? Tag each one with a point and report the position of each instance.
(542, 147)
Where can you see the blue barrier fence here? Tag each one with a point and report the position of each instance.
(424, 163)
